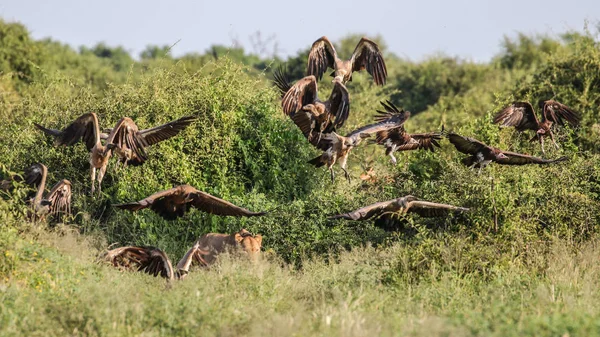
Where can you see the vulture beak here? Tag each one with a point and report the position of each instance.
(541, 131)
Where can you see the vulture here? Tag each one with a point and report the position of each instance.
(57, 201)
(125, 139)
(403, 205)
(175, 202)
(301, 102)
(153, 261)
(366, 55)
(338, 147)
(482, 155)
(522, 117)
(31, 177)
(398, 139)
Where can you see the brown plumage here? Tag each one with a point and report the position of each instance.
(301, 102)
(366, 56)
(175, 202)
(398, 139)
(338, 147)
(522, 116)
(130, 143)
(125, 138)
(57, 201)
(403, 205)
(149, 260)
(153, 261)
(482, 155)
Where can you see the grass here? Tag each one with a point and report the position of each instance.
(57, 289)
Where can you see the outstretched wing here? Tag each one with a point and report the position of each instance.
(149, 201)
(211, 204)
(339, 103)
(194, 254)
(389, 119)
(281, 80)
(166, 131)
(322, 55)
(368, 56)
(426, 141)
(520, 115)
(557, 112)
(514, 158)
(129, 141)
(432, 209)
(149, 260)
(300, 94)
(391, 111)
(85, 127)
(364, 213)
(466, 145)
(60, 198)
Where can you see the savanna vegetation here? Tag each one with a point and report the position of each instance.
(523, 261)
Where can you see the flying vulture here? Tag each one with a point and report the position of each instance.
(522, 117)
(338, 147)
(125, 139)
(403, 205)
(301, 102)
(482, 155)
(175, 202)
(366, 55)
(398, 139)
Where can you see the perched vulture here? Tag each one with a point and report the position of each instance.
(125, 138)
(403, 205)
(522, 117)
(481, 154)
(398, 139)
(175, 202)
(57, 201)
(338, 147)
(366, 55)
(301, 102)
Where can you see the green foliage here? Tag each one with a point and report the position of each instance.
(243, 149)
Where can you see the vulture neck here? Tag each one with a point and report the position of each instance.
(41, 186)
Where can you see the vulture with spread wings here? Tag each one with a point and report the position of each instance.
(522, 116)
(482, 155)
(398, 139)
(403, 205)
(301, 102)
(175, 202)
(366, 55)
(153, 261)
(57, 201)
(338, 147)
(125, 138)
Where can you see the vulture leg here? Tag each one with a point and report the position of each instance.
(101, 173)
(542, 143)
(343, 163)
(332, 174)
(93, 177)
(394, 161)
(553, 141)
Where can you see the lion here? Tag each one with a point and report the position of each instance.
(215, 244)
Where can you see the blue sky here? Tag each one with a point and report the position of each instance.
(412, 29)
